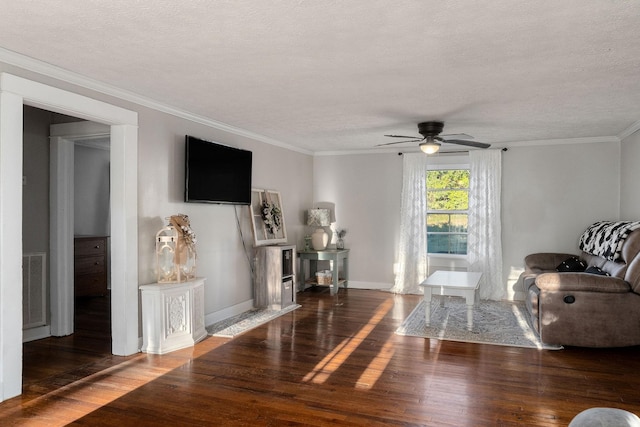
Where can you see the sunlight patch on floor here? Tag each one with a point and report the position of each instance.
(107, 385)
(336, 358)
(99, 389)
(526, 330)
(377, 366)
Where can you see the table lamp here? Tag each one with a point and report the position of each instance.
(319, 218)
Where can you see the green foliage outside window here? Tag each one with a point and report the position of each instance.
(447, 205)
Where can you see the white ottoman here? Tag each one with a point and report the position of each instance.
(605, 417)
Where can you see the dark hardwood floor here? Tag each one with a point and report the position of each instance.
(321, 365)
(60, 357)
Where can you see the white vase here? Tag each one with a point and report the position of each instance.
(319, 239)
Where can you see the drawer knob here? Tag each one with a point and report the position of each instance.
(97, 246)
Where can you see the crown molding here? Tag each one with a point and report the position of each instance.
(560, 141)
(49, 70)
(630, 130)
(362, 151)
(514, 144)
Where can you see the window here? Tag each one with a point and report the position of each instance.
(447, 211)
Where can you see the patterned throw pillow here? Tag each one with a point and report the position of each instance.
(573, 264)
(596, 270)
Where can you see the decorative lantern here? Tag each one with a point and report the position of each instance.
(175, 251)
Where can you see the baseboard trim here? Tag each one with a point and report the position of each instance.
(38, 333)
(225, 313)
(368, 285)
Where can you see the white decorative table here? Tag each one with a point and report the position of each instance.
(452, 283)
(172, 315)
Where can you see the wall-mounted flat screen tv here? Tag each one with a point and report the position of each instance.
(216, 173)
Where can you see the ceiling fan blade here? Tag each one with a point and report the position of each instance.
(401, 136)
(456, 136)
(398, 142)
(468, 143)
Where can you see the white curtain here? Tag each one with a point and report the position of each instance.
(411, 267)
(484, 244)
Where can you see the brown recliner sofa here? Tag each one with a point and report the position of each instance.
(581, 308)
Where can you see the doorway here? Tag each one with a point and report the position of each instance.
(15, 92)
(79, 180)
(92, 298)
(88, 215)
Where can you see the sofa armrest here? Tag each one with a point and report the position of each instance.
(584, 282)
(544, 261)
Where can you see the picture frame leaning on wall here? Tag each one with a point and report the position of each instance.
(267, 218)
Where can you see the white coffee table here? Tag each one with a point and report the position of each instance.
(452, 283)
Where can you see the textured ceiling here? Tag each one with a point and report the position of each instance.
(328, 75)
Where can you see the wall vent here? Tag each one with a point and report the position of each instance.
(34, 290)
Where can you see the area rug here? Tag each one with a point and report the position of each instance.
(243, 322)
(494, 322)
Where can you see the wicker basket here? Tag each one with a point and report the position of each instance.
(324, 277)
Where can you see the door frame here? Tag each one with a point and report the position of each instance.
(15, 92)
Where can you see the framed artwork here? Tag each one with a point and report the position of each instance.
(267, 218)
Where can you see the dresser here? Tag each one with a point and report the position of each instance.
(90, 265)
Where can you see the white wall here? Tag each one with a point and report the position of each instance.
(221, 255)
(629, 178)
(550, 194)
(35, 202)
(366, 192)
(91, 191)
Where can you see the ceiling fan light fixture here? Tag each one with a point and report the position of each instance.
(429, 146)
(431, 138)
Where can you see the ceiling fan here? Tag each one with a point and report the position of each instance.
(431, 141)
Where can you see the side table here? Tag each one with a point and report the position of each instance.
(334, 256)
